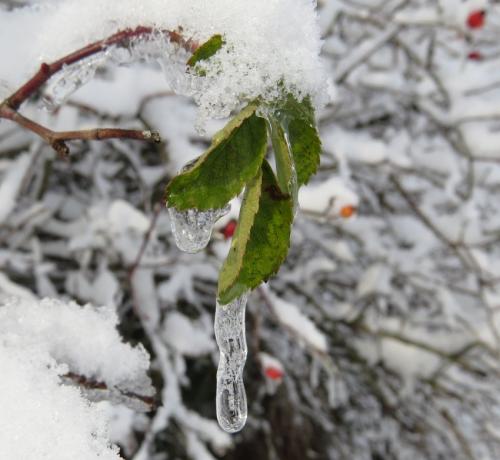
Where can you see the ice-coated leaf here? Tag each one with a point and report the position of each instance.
(220, 174)
(297, 119)
(207, 50)
(260, 243)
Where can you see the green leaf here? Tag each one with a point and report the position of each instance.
(260, 243)
(297, 120)
(234, 158)
(285, 164)
(207, 50)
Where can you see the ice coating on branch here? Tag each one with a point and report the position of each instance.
(268, 44)
(231, 400)
(72, 77)
(192, 229)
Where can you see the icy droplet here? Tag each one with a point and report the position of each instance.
(192, 229)
(231, 399)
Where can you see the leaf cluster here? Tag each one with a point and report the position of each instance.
(236, 161)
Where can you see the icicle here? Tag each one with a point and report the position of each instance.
(192, 229)
(231, 399)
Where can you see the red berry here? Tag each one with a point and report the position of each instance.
(475, 20)
(228, 230)
(347, 211)
(274, 373)
(475, 56)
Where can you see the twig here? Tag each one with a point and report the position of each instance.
(455, 247)
(145, 241)
(57, 139)
(462, 440)
(89, 384)
(135, 265)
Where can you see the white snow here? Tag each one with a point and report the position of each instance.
(42, 419)
(306, 331)
(10, 185)
(376, 278)
(8, 289)
(327, 197)
(261, 49)
(85, 339)
(123, 215)
(408, 360)
(267, 361)
(410, 106)
(361, 147)
(39, 343)
(186, 336)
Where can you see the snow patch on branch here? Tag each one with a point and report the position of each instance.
(42, 342)
(42, 419)
(290, 315)
(84, 339)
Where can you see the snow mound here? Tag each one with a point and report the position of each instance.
(40, 344)
(42, 419)
(84, 339)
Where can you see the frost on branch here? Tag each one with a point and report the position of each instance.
(46, 345)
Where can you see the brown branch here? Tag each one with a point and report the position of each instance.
(145, 241)
(137, 262)
(89, 384)
(57, 140)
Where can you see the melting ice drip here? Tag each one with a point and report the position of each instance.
(231, 399)
(192, 229)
